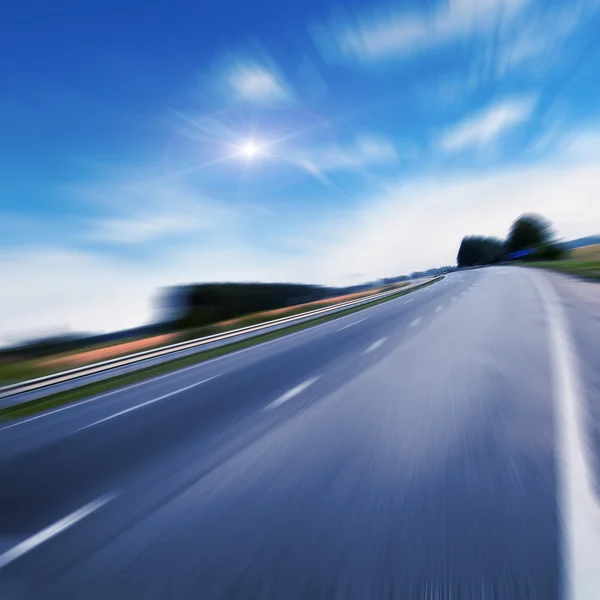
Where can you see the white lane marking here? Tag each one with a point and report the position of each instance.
(579, 509)
(352, 324)
(440, 308)
(409, 300)
(453, 298)
(147, 403)
(291, 393)
(375, 345)
(415, 322)
(43, 536)
(100, 396)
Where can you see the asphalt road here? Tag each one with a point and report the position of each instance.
(434, 446)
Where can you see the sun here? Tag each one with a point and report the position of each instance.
(250, 149)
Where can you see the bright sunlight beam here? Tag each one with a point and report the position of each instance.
(250, 149)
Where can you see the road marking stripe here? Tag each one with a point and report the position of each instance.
(375, 345)
(579, 510)
(99, 396)
(147, 403)
(439, 309)
(291, 393)
(53, 530)
(352, 324)
(415, 322)
(453, 298)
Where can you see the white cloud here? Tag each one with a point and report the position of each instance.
(56, 288)
(139, 209)
(388, 32)
(140, 229)
(485, 127)
(253, 80)
(366, 150)
(538, 43)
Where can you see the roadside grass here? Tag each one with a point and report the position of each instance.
(57, 399)
(588, 269)
(13, 371)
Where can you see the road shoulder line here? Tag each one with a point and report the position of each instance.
(578, 505)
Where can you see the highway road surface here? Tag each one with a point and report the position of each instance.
(441, 445)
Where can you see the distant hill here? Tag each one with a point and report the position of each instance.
(580, 242)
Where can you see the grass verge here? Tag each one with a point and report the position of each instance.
(31, 407)
(588, 269)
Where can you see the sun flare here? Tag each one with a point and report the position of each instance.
(250, 149)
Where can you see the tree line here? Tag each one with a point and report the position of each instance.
(531, 237)
(198, 305)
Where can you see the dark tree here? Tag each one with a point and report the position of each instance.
(529, 231)
(478, 250)
(208, 303)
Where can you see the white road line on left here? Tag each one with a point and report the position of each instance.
(577, 501)
(53, 530)
(147, 403)
(291, 393)
(352, 324)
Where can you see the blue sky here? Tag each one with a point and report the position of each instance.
(383, 132)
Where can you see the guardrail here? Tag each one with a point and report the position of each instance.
(114, 363)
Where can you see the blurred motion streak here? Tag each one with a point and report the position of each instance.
(300, 300)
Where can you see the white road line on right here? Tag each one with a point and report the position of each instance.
(439, 308)
(291, 393)
(578, 506)
(415, 322)
(53, 530)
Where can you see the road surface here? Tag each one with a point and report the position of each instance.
(429, 447)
